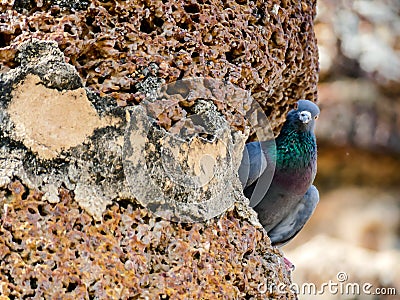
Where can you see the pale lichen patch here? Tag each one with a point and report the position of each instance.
(48, 121)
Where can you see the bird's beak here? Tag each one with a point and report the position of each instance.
(305, 116)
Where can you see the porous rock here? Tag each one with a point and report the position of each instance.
(193, 173)
(45, 143)
(64, 186)
(119, 48)
(57, 251)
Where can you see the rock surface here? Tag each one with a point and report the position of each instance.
(73, 216)
(45, 143)
(57, 250)
(63, 181)
(123, 48)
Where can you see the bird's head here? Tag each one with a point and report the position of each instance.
(303, 116)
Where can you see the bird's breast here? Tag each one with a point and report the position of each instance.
(295, 181)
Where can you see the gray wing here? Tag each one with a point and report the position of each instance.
(288, 228)
(254, 163)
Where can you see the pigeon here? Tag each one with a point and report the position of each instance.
(277, 176)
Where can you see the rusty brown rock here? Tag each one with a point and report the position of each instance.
(120, 49)
(57, 250)
(59, 194)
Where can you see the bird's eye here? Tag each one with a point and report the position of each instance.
(296, 106)
(316, 117)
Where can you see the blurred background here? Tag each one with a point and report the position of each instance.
(356, 227)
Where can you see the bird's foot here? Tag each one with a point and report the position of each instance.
(289, 265)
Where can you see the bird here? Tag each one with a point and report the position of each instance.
(277, 175)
